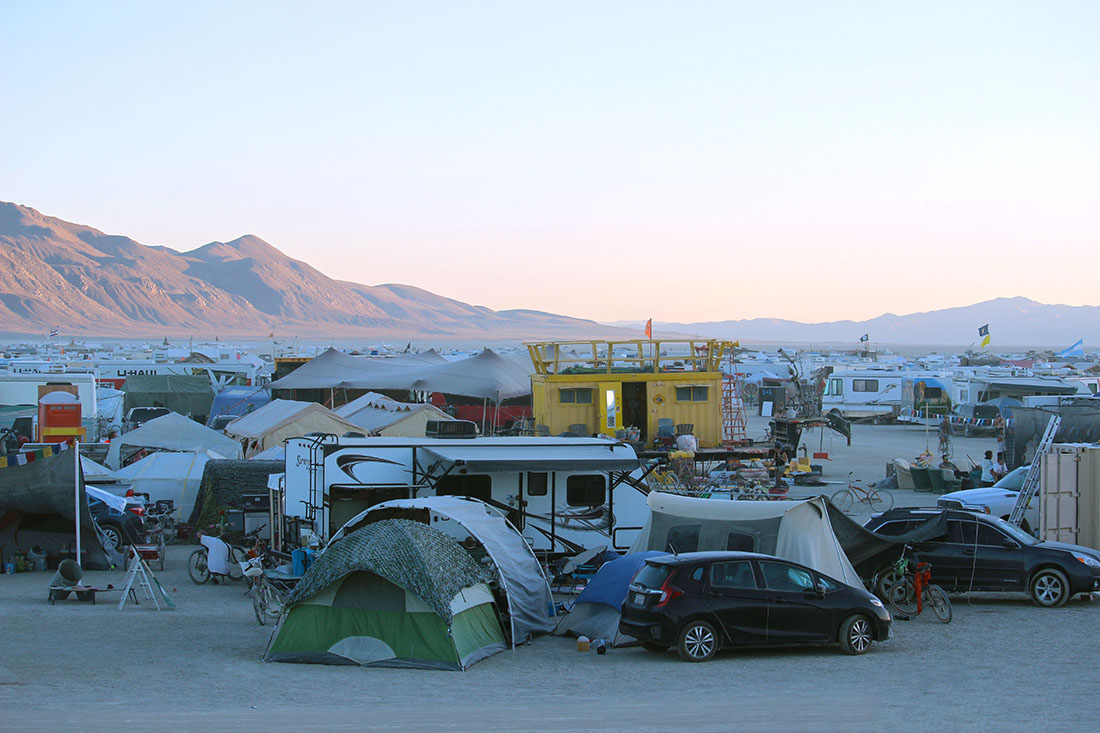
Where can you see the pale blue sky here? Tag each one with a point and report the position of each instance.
(685, 161)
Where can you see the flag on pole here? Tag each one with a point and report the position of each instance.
(983, 331)
(864, 338)
(54, 332)
(649, 329)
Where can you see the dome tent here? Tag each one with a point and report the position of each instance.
(395, 593)
(599, 606)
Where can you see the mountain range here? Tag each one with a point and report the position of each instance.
(85, 282)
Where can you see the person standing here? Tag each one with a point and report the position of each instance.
(999, 467)
(987, 469)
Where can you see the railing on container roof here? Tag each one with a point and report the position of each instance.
(632, 356)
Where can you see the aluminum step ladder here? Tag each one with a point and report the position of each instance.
(1030, 486)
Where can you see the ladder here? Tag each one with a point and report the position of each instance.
(1030, 486)
(733, 407)
(140, 572)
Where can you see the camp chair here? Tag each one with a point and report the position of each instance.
(686, 428)
(921, 479)
(904, 475)
(579, 429)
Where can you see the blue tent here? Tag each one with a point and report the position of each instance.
(598, 608)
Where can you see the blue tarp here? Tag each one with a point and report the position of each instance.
(237, 401)
(610, 583)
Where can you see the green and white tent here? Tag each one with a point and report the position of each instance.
(395, 593)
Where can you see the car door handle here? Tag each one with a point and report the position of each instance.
(777, 599)
(969, 551)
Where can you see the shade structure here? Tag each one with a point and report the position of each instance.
(487, 375)
(278, 420)
(395, 593)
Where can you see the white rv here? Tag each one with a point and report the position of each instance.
(563, 494)
(873, 394)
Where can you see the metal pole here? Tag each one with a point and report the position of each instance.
(76, 494)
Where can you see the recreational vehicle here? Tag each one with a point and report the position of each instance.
(563, 494)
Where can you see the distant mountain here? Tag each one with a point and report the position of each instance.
(1012, 321)
(86, 282)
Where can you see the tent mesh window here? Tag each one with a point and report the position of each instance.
(422, 560)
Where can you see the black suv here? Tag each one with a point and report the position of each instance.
(984, 553)
(702, 601)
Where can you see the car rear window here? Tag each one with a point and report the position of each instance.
(652, 576)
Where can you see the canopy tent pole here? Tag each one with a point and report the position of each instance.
(76, 494)
(484, 406)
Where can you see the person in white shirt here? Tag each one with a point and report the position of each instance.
(217, 555)
(987, 469)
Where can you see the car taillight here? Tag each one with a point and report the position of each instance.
(669, 592)
(138, 510)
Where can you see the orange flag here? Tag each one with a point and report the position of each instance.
(649, 329)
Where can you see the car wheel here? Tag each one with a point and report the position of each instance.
(653, 646)
(698, 642)
(112, 533)
(1050, 588)
(856, 635)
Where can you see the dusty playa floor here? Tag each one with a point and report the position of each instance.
(1001, 662)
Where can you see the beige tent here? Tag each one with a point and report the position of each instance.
(376, 414)
(281, 419)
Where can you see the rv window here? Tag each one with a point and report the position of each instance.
(932, 393)
(836, 387)
(581, 396)
(691, 394)
(537, 484)
(737, 542)
(585, 490)
(683, 538)
(472, 486)
(865, 385)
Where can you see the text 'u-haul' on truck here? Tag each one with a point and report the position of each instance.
(563, 494)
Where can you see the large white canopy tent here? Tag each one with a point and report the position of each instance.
(173, 432)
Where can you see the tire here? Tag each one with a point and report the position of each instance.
(880, 501)
(196, 567)
(259, 602)
(653, 646)
(843, 500)
(903, 598)
(113, 535)
(698, 642)
(940, 603)
(856, 634)
(1049, 588)
(885, 580)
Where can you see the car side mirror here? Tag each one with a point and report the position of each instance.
(1011, 544)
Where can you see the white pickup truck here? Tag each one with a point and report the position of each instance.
(996, 500)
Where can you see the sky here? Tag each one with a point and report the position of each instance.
(687, 161)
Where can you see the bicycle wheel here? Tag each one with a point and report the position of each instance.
(843, 500)
(160, 549)
(879, 501)
(259, 601)
(903, 598)
(274, 601)
(196, 567)
(940, 603)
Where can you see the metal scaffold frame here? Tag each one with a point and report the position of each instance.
(734, 430)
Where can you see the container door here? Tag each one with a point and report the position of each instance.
(609, 407)
(1058, 484)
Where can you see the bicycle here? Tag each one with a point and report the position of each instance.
(908, 592)
(846, 498)
(199, 571)
(268, 587)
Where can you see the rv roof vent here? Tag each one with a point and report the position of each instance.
(450, 429)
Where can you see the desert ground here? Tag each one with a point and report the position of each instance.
(1001, 663)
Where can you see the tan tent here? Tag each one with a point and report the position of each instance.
(281, 419)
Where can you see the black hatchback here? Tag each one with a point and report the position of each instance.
(700, 602)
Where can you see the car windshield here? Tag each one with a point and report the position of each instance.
(1013, 531)
(652, 576)
(144, 414)
(1013, 480)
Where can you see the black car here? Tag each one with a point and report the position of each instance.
(119, 527)
(702, 601)
(983, 553)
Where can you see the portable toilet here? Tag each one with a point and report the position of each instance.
(59, 416)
